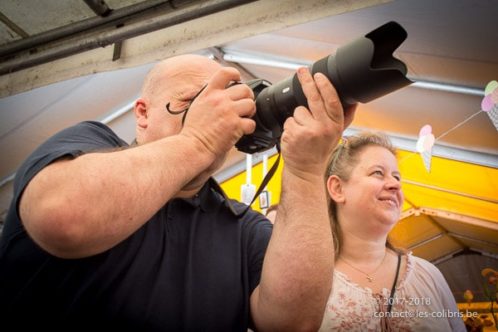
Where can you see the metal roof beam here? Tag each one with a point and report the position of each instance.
(438, 150)
(115, 17)
(277, 62)
(102, 39)
(460, 218)
(99, 7)
(185, 36)
(407, 144)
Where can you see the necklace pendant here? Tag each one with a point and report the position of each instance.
(369, 278)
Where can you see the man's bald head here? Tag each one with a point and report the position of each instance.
(173, 81)
(166, 73)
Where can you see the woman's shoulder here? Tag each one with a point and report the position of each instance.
(422, 264)
(419, 269)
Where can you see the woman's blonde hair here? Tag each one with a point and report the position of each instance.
(342, 161)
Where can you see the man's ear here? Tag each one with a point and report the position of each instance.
(141, 114)
(335, 189)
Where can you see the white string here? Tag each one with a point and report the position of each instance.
(445, 133)
(458, 125)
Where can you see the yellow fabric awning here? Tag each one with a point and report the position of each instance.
(453, 207)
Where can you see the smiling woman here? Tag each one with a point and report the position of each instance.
(346, 157)
(377, 287)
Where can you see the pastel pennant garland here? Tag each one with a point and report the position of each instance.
(424, 145)
(426, 139)
(489, 103)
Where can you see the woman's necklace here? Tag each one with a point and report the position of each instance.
(369, 276)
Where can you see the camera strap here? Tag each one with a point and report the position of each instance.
(261, 187)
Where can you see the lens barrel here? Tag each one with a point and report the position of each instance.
(360, 71)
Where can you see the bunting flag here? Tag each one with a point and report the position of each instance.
(424, 145)
(427, 158)
(426, 139)
(489, 103)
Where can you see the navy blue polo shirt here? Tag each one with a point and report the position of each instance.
(191, 267)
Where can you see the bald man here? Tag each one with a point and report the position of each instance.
(100, 234)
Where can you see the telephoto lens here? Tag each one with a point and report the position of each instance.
(360, 71)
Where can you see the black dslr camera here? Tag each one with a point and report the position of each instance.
(360, 71)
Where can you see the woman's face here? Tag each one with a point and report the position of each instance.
(372, 196)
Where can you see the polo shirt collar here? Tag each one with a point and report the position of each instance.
(205, 198)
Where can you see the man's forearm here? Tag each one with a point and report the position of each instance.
(298, 266)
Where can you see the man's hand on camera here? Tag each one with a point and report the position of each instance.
(310, 135)
(219, 116)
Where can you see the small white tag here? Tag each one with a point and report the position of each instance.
(247, 193)
(264, 199)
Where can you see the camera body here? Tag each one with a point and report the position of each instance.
(360, 71)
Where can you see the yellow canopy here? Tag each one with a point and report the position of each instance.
(452, 208)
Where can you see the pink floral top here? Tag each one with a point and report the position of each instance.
(423, 302)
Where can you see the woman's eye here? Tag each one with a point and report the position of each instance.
(378, 172)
